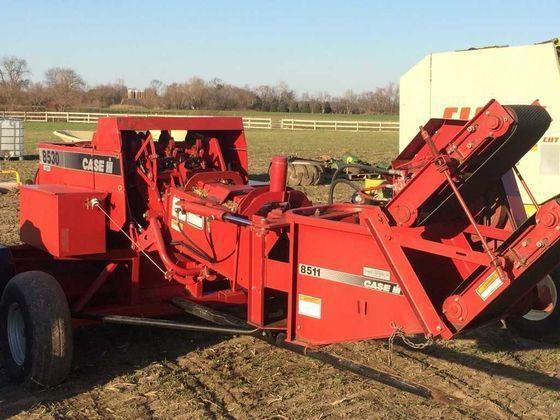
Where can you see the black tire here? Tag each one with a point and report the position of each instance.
(539, 329)
(34, 307)
(7, 267)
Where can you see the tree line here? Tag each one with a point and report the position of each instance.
(64, 89)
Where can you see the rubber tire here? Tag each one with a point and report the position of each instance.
(538, 330)
(315, 173)
(7, 267)
(306, 177)
(294, 178)
(48, 329)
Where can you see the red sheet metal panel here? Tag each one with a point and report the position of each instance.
(58, 219)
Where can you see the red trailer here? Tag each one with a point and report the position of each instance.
(128, 229)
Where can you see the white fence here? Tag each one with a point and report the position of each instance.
(92, 117)
(248, 122)
(289, 124)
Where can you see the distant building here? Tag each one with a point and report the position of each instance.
(135, 94)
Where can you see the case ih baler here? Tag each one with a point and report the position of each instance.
(127, 229)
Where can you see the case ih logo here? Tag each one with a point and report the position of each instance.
(81, 161)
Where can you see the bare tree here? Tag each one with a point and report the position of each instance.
(103, 96)
(65, 87)
(13, 79)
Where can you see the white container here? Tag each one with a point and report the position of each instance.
(11, 138)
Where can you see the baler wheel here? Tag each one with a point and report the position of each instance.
(36, 330)
(544, 322)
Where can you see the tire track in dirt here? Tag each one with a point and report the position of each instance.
(213, 402)
(373, 394)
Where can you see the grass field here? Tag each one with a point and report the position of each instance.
(371, 146)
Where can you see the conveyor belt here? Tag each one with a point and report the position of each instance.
(532, 121)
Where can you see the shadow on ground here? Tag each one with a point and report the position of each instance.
(102, 353)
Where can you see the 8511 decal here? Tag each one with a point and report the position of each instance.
(375, 279)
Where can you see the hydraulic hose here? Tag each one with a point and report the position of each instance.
(369, 168)
(161, 248)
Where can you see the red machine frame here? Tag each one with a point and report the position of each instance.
(451, 249)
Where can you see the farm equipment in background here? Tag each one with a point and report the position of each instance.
(128, 229)
(454, 84)
(305, 172)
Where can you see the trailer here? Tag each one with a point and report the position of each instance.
(129, 229)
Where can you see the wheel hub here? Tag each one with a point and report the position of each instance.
(548, 296)
(16, 333)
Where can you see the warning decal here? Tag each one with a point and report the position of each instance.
(489, 286)
(309, 306)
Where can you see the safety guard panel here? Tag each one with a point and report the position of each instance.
(344, 288)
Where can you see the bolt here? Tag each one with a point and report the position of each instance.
(456, 299)
(524, 243)
(461, 318)
(539, 244)
(469, 145)
(438, 328)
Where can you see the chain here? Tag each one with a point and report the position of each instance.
(398, 332)
(95, 203)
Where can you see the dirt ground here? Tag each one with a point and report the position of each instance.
(132, 372)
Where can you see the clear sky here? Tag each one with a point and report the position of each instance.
(312, 45)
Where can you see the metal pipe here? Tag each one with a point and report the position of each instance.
(164, 323)
(278, 173)
(162, 252)
(237, 219)
(526, 187)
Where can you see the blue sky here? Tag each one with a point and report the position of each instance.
(312, 45)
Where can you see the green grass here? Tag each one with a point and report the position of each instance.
(35, 132)
(370, 146)
(263, 144)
